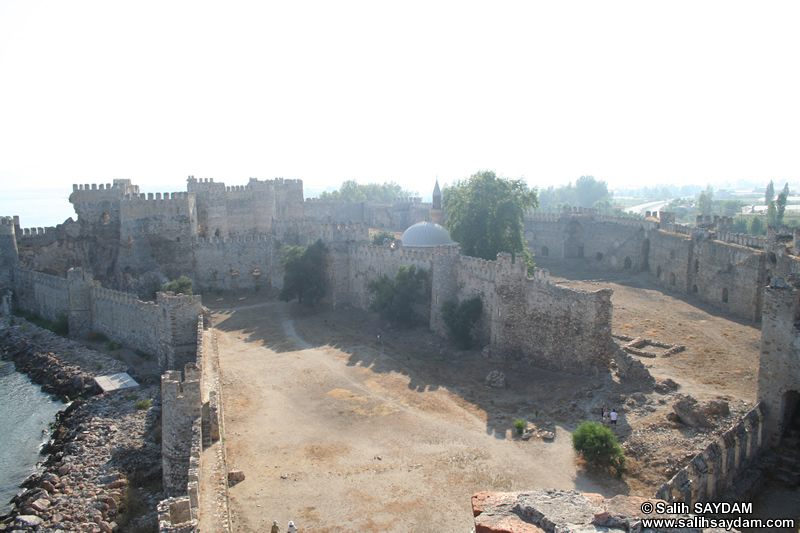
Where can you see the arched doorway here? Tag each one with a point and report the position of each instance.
(573, 240)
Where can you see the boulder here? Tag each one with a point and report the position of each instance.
(689, 413)
(496, 379)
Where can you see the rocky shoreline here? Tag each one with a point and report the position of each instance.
(102, 471)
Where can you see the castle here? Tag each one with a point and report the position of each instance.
(99, 270)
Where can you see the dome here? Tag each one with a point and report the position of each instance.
(426, 234)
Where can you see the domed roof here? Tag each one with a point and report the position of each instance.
(426, 234)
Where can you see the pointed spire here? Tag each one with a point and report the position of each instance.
(437, 196)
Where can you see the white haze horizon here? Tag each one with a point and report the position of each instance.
(634, 94)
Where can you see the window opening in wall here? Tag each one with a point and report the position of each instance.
(598, 256)
(658, 272)
(545, 251)
(671, 278)
(772, 258)
(725, 295)
(628, 263)
(789, 412)
(696, 266)
(104, 218)
(694, 288)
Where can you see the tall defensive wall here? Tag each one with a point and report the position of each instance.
(523, 318)
(9, 255)
(723, 269)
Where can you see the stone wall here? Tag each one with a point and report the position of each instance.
(779, 366)
(395, 216)
(523, 318)
(712, 473)
(164, 327)
(725, 270)
(192, 444)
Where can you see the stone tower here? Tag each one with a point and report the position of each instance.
(9, 255)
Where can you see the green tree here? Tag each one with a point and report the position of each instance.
(598, 445)
(182, 285)
(769, 195)
(772, 215)
(460, 318)
(352, 191)
(780, 204)
(485, 214)
(705, 202)
(588, 191)
(381, 236)
(739, 225)
(731, 207)
(304, 273)
(757, 226)
(394, 298)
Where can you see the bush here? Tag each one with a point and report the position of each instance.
(112, 346)
(59, 326)
(304, 274)
(182, 285)
(143, 404)
(598, 445)
(381, 236)
(394, 298)
(460, 318)
(520, 426)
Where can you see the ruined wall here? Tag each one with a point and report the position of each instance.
(164, 328)
(609, 242)
(671, 254)
(180, 426)
(530, 319)
(9, 255)
(715, 470)
(779, 366)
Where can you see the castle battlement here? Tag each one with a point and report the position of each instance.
(675, 227)
(261, 240)
(407, 200)
(414, 255)
(7, 226)
(33, 232)
(157, 196)
(93, 192)
(741, 239)
(31, 276)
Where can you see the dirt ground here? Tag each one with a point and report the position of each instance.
(341, 431)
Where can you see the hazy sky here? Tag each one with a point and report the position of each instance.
(634, 93)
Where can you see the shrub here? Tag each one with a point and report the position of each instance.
(381, 236)
(304, 274)
(113, 345)
(143, 404)
(394, 298)
(182, 285)
(460, 318)
(598, 445)
(520, 426)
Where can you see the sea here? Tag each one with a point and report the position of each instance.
(25, 417)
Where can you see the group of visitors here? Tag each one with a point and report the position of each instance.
(610, 418)
(276, 529)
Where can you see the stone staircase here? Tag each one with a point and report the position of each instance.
(205, 426)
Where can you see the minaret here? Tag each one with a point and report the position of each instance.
(437, 214)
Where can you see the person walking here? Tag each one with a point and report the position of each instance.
(613, 417)
(605, 416)
(292, 529)
(275, 527)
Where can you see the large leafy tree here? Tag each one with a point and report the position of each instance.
(352, 191)
(769, 194)
(485, 213)
(304, 273)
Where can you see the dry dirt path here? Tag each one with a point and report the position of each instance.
(367, 437)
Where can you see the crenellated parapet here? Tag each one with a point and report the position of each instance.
(717, 468)
(742, 239)
(309, 231)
